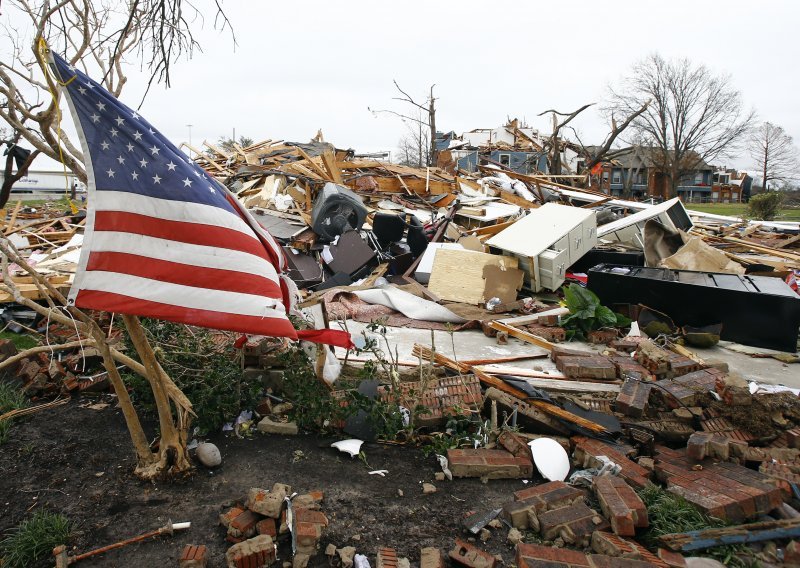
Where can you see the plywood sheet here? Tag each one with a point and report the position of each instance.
(457, 275)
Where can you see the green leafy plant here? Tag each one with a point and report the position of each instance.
(207, 371)
(586, 313)
(34, 538)
(11, 398)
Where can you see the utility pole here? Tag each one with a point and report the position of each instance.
(189, 126)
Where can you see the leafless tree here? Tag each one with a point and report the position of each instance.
(415, 146)
(96, 37)
(694, 116)
(424, 115)
(774, 154)
(554, 145)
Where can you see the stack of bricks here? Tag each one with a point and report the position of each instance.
(588, 367)
(193, 556)
(555, 510)
(610, 544)
(723, 490)
(489, 464)
(620, 504)
(442, 398)
(254, 527)
(523, 512)
(574, 524)
(551, 333)
(662, 363)
(588, 450)
(535, 556)
(688, 388)
(633, 398)
(627, 367)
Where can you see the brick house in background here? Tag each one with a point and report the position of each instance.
(634, 172)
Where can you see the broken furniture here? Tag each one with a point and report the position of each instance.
(337, 210)
(547, 242)
(754, 310)
(672, 214)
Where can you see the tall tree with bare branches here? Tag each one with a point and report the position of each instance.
(774, 154)
(96, 37)
(423, 115)
(694, 115)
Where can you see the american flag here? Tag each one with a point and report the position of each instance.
(163, 239)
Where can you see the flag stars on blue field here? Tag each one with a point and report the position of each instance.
(122, 123)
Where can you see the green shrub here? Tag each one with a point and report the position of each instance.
(34, 538)
(765, 206)
(587, 314)
(668, 514)
(209, 374)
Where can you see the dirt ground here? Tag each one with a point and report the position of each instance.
(79, 461)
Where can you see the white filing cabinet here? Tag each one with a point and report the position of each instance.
(547, 242)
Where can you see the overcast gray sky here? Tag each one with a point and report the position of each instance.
(300, 66)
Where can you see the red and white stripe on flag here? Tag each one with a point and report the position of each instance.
(163, 239)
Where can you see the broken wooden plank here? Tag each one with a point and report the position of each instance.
(522, 335)
(13, 219)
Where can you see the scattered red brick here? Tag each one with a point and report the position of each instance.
(574, 524)
(523, 512)
(471, 556)
(587, 450)
(387, 558)
(193, 556)
(492, 464)
(620, 504)
(430, 557)
(724, 490)
(592, 367)
(257, 552)
(633, 398)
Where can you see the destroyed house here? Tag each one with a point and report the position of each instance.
(731, 186)
(638, 172)
(518, 148)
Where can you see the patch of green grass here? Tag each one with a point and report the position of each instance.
(740, 209)
(22, 341)
(669, 514)
(34, 538)
(11, 398)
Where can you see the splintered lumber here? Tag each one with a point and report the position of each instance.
(554, 382)
(522, 335)
(426, 354)
(739, 534)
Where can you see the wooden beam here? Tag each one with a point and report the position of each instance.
(522, 335)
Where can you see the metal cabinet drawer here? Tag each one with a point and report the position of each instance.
(577, 244)
(589, 233)
(552, 268)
